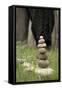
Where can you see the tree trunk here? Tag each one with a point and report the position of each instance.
(55, 30)
(31, 40)
(21, 24)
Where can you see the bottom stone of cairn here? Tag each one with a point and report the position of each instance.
(44, 71)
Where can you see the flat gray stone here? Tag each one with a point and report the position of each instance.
(41, 41)
(42, 45)
(42, 56)
(21, 61)
(26, 65)
(43, 63)
(44, 71)
(42, 50)
(29, 69)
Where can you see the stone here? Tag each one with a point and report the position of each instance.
(26, 65)
(41, 41)
(42, 50)
(21, 61)
(44, 71)
(42, 45)
(43, 63)
(29, 69)
(42, 56)
(41, 37)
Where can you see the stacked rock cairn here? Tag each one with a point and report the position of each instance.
(42, 53)
(43, 63)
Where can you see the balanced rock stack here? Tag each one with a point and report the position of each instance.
(42, 54)
(43, 68)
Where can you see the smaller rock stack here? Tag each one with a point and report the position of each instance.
(42, 54)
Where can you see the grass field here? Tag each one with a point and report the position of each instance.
(29, 55)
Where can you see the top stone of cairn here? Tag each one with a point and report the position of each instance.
(41, 37)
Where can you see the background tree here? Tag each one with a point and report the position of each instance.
(24, 32)
(21, 24)
(55, 34)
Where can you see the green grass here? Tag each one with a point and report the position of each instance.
(29, 55)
